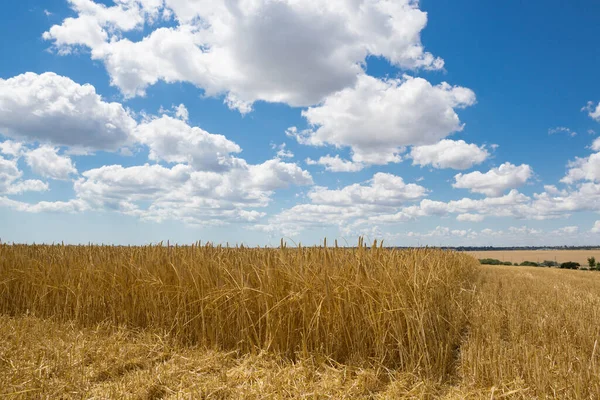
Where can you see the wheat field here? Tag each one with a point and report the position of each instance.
(215, 322)
(539, 256)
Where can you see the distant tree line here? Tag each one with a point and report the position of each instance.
(493, 248)
(592, 264)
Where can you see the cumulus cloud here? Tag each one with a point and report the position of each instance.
(11, 148)
(204, 184)
(71, 206)
(182, 193)
(455, 154)
(378, 118)
(292, 221)
(338, 209)
(552, 189)
(96, 22)
(442, 231)
(471, 209)
(118, 187)
(549, 204)
(11, 182)
(513, 236)
(567, 230)
(182, 112)
(336, 164)
(595, 145)
(583, 169)
(470, 217)
(281, 151)
(284, 51)
(524, 231)
(54, 109)
(174, 141)
(347, 208)
(596, 227)
(593, 110)
(383, 190)
(276, 174)
(46, 162)
(496, 181)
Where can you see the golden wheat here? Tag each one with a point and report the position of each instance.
(226, 323)
(398, 309)
(535, 330)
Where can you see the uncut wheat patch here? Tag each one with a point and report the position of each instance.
(401, 309)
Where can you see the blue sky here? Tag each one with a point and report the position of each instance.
(440, 123)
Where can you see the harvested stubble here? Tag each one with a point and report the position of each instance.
(534, 332)
(398, 309)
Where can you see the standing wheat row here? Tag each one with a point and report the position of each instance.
(396, 308)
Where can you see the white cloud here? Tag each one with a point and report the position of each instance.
(456, 154)
(593, 110)
(181, 193)
(338, 209)
(376, 118)
(336, 164)
(496, 181)
(46, 162)
(54, 109)
(561, 129)
(347, 208)
(596, 227)
(205, 185)
(512, 205)
(551, 189)
(552, 203)
(11, 148)
(507, 205)
(10, 179)
(292, 221)
(470, 217)
(567, 230)
(281, 151)
(174, 141)
(491, 232)
(512, 236)
(29, 185)
(583, 169)
(96, 23)
(524, 231)
(383, 190)
(115, 185)
(442, 231)
(70, 206)
(275, 174)
(182, 112)
(277, 51)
